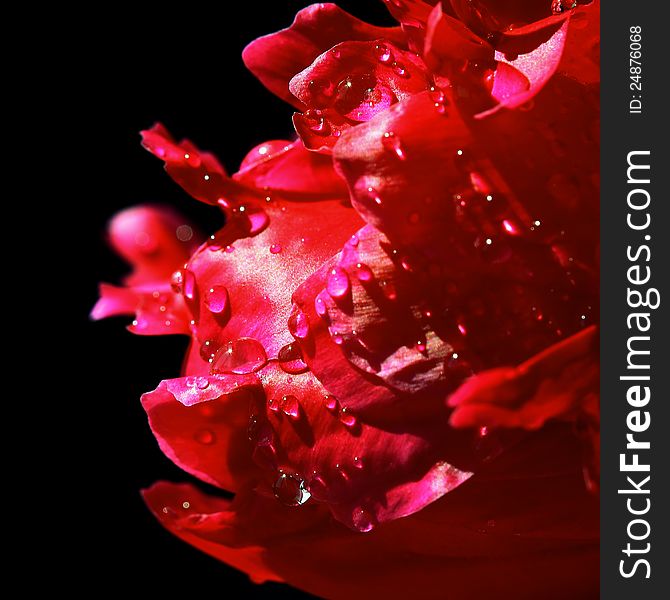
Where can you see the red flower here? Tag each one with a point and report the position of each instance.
(397, 377)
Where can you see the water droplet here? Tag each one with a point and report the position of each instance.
(259, 431)
(177, 281)
(207, 350)
(372, 196)
(420, 346)
(242, 356)
(290, 406)
(320, 306)
(317, 122)
(274, 404)
(347, 419)
(275, 248)
(321, 92)
(188, 284)
(202, 383)
(436, 94)
(186, 505)
(290, 490)
(337, 284)
(205, 437)
(258, 221)
(383, 53)
(560, 6)
(298, 324)
(353, 240)
(462, 330)
(391, 142)
(363, 272)
(400, 69)
(290, 359)
(358, 462)
(330, 402)
(216, 299)
(337, 338)
(229, 249)
(388, 289)
(510, 227)
(362, 520)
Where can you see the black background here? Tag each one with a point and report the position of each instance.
(183, 68)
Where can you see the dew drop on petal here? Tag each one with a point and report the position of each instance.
(337, 284)
(383, 53)
(202, 383)
(241, 356)
(177, 281)
(216, 299)
(363, 272)
(290, 359)
(330, 402)
(290, 406)
(275, 248)
(188, 284)
(274, 404)
(358, 462)
(510, 226)
(208, 349)
(362, 520)
(290, 490)
(205, 437)
(420, 346)
(298, 324)
(400, 69)
(353, 240)
(320, 306)
(347, 419)
(391, 142)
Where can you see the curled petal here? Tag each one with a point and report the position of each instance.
(359, 469)
(277, 57)
(289, 170)
(350, 84)
(559, 383)
(200, 423)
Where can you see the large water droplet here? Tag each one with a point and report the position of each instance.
(330, 402)
(208, 349)
(363, 272)
(391, 142)
(290, 359)
(290, 489)
(240, 356)
(177, 281)
(317, 122)
(188, 284)
(320, 306)
(362, 520)
(216, 299)
(290, 406)
(205, 437)
(321, 92)
(337, 284)
(275, 248)
(383, 53)
(298, 324)
(347, 419)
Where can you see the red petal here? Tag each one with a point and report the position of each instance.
(525, 521)
(259, 273)
(277, 57)
(201, 424)
(351, 83)
(557, 383)
(114, 301)
(289, 170)
(360, 468)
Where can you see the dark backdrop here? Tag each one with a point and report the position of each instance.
(182, 68)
